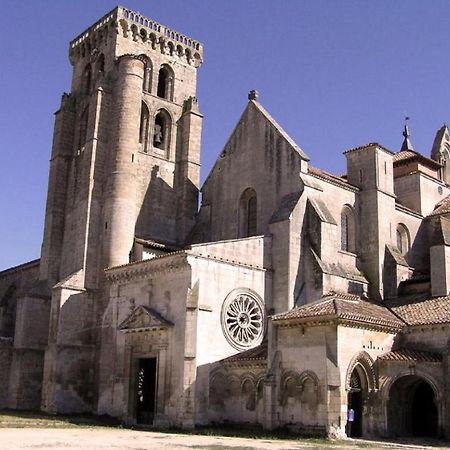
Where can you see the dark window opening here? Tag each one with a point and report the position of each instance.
(251, 216)
(87, 80)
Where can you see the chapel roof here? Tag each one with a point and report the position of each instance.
(254, 354)
(411, 355)
(346, 307)
(420, 310)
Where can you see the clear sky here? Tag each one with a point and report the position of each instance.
(334, 74)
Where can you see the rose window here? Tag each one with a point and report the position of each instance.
(243, 320)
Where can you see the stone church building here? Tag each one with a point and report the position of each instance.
(290, 298)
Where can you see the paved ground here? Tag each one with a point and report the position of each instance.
(114, 438)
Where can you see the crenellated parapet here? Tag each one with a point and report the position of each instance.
(132, 25)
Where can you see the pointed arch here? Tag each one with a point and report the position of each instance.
(365, 364)
(348, 229)
(143, 127)
(166, 82)
(148, 73)
(248, 213)
(86, 81)
(403, 238)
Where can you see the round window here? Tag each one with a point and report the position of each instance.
(243, 319)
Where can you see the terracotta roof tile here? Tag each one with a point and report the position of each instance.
(443, 207)
(410, 155)
(423, 311)
(253, 354)
(411, 355)
(344, 306)
(370, 144)
(331, 178)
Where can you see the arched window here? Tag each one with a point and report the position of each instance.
(403, 241)
(101, 64)
(86, 82)
(161, 130)
(147, 83)
(143, 127)
(82, 135)
(248, 213)
(165, 83)
(445, 161)
(348, 238)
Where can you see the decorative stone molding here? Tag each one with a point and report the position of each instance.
(148, 268)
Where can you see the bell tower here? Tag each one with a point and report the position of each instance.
(126, 150)
(125, 164)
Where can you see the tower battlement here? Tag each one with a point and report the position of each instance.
(139, 28)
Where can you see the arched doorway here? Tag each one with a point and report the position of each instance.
(411, 409)
(355, 404)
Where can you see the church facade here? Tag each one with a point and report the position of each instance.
(290, 298)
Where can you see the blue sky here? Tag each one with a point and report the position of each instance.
(334, 74)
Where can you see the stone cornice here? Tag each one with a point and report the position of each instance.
(334, 321)
(149, 267)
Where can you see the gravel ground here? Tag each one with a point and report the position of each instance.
(123, 439)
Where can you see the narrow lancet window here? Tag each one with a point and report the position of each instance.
(143, 128)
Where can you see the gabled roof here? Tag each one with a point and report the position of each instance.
(144, 318)
(345, 307)
(280, 130)
(410, 355)
(261, 110)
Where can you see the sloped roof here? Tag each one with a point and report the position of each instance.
(405, 156)
(254, 354)
(322, 210)
(345, 307)
(410, 355)
(443, 207)
(422, 311)
(287, 205)
(319, 173)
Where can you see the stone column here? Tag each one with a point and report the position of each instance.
(120, 198)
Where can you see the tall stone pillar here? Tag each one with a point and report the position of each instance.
(120, 199)
(62, 149)
(187, 177)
